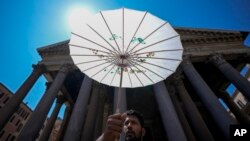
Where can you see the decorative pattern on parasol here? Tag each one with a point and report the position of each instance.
(126, 48)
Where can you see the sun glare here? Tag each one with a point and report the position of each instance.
(78, 15)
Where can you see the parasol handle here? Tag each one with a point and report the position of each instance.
(117, 110)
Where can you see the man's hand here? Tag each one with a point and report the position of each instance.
(114, 127)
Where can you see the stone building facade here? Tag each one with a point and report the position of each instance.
(54, 132)
(183, 107)
(16, 122)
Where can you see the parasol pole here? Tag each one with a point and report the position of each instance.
(119, 97)
(117, 110)
(119, 94)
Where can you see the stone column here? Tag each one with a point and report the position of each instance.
(169, 117)
(89, 126)
(73, 132)
(240, 115)
(180, 113)
(66, 117)
(13, 104)
(208, 98)
(123, 100)
(187, 129)
(31, 130)
(50, 124)
(101, 105)
(106, 113)
(232, 74)
(198, 124)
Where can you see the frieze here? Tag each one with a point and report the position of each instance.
(229, 51)
(192, 49)
(204, 32)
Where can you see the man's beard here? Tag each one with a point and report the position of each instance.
(132, 138)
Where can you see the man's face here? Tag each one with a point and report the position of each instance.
(132, 128)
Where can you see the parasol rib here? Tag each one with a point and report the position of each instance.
(101, 70)
(148, 69)
(113, 78)
(148, 36)
(156, 43)
(158, 66)
(136, 76)
(90, 55)
(141, 71)
(107, 73)
(88, 48)
(92, 42)
(91, 61)
(123, 30)
(136, 30)
(102, 38)
(110, 31)
(159, 58)
(158, 51)
(95, 66)
(110, 70)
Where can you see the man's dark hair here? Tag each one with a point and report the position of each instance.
(138, 115)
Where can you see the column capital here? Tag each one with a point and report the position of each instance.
(48, 84)
(217, 59)
(39, 67)
(247, 57)
(67, 104)
(178, 76)
(171, 90)
(186, 59)
(178, 79)
(65, 68)
(60, 99)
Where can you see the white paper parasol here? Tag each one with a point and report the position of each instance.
(147, 48)
(126, 48)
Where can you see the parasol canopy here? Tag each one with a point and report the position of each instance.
(126, 48)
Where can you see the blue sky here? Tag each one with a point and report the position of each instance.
(27, 25)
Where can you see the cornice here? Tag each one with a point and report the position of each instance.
(205, 32)
(191, 36)
(60, 48)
